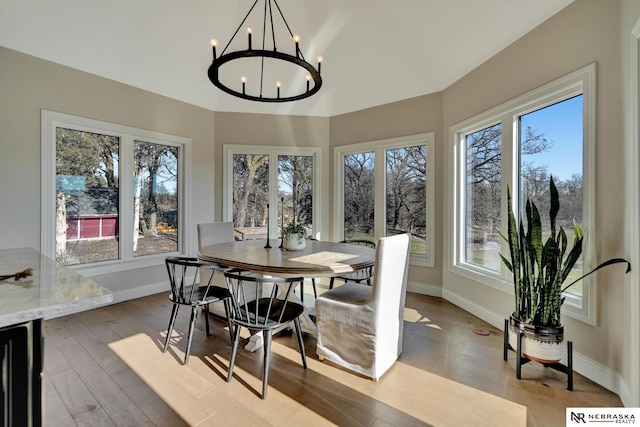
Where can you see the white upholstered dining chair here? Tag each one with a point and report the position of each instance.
(360, 327)
(213, 233)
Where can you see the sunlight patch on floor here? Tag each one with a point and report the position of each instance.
(180, 388)
(440, 401)
(414, 316)
(429, 398)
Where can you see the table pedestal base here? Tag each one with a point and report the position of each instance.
(255, 342)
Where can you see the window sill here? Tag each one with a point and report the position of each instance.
(116, 266)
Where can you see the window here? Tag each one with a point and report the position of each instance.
(386, 187)
(87, 196)
(155, 198)
(250, 191)
(550, 145)
(112, 196)
(405, 194)
(295, 189)
(359, 195)
(548, 132)
(266, 187)
(482, 215)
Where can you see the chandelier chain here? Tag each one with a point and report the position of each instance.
(240, 26)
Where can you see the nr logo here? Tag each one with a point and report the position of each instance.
(577, 417)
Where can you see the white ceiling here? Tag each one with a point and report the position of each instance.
(374, 51)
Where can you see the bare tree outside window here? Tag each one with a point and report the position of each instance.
(96, 216)
(484, 178)
(155, 198)
(359, 187)
(482, 222)
(87, 199)
(250, 190)
(541, 158)
(295, 189)
(406, 194)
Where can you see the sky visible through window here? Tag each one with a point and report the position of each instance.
(561, 124)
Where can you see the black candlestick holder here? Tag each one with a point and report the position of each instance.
(268, 245)
(281, 223)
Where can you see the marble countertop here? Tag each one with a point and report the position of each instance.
(53, 290)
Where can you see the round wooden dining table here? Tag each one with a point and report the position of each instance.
(317, 259)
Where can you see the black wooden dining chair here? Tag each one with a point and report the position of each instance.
(184, 276)
(359, 276)
(262, 304)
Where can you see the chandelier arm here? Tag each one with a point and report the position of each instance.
(239, 26)
(283, 18)
(264, 32)
(298, 51)
(261, 74)
(273, 31)
(264, 26)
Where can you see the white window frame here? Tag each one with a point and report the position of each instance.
(50, 120)
(273, 151)
(379, 147)
(580, 82)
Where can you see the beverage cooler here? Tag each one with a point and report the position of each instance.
(21, 373)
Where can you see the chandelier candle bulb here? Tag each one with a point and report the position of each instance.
(278, 87)
(249, 35)
(244, 81)
(308, 79)
(319, 63)
(214, 43)
(296, 39)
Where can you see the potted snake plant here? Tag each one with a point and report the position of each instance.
(540, 269)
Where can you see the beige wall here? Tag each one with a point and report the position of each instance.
(27, 85)
(408, 117)
(586, 31)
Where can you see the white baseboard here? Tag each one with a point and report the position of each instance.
(626, 396)
(120, 296)
(596, 372)
(139, 292)
(425, 289)
(471, 307)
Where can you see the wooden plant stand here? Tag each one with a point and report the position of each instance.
(522, 360)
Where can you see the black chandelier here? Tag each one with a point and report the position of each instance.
(309, 86)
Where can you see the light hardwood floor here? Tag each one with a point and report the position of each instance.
(106, 367)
